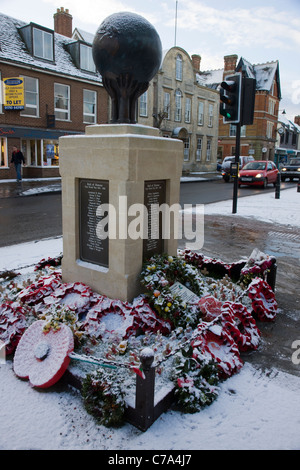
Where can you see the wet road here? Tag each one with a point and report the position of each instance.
(30, 218)
(24, 219)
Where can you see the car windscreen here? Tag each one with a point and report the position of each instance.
(255, 166)
(295, 161)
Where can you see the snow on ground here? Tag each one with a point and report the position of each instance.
(264, 207)
(254, 410)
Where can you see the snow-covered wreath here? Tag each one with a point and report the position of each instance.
(192, 314)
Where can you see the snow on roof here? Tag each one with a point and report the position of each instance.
(292, 126)
(210, 78)
(13, 49)
(83, 35)
(264, 74)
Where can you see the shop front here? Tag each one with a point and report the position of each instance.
(40, 148)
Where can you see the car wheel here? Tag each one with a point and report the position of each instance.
(282, 178)
(291, 179)
(265, 183)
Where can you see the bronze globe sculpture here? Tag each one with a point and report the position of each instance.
(127, 53)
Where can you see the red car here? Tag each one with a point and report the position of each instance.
(259, 172)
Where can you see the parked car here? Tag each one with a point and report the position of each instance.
(259, 172)
(226, 165)
(291, 170)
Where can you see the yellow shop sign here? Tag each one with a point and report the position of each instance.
(13, 93)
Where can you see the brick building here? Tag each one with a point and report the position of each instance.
(260, 138)
(183, 108)
(62, 92)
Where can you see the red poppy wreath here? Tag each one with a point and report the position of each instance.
(43, 356)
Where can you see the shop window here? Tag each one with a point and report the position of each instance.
(39, 153)
(31, 97)
(50, 153)
(3, 156)
(89, 107)
(62, 102)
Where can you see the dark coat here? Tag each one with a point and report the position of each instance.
(17, 157)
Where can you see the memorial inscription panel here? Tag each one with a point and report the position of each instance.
(154, 196)
(92, 193)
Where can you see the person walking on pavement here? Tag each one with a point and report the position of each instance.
(17, 158)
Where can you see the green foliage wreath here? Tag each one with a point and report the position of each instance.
(158, 275)
(103, 398)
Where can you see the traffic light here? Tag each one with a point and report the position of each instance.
(230, 96)
(248, 100)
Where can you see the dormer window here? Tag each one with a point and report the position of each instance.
(39, 41)
(42, 44)
(82, 56)
(86, 58)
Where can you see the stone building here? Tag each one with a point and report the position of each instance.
(61, 89)
(184, 109)
(259, 139)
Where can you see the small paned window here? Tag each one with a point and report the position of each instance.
(43, 44)
(89, 106)
(86, 58)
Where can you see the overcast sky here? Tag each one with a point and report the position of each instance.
(258, 30)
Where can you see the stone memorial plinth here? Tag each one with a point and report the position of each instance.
(105, 174)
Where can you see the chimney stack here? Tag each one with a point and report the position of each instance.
(230, 64)
(297, 120)
(63, 22)
(196, 60)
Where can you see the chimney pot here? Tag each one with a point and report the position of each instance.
(196, 60)
(230, 64)
(63, 22)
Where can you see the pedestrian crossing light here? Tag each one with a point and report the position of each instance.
(230, 97)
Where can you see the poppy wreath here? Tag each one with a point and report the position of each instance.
(101, 306)
(264, 304)
(43, 356)
(216, 343)
(76, 295)
(45, 263)
(240, 324)
(145, 319)
(257, 265)
(37, 291)
(235, 318)
(210, 307)
(158, 275)
(12, 325)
